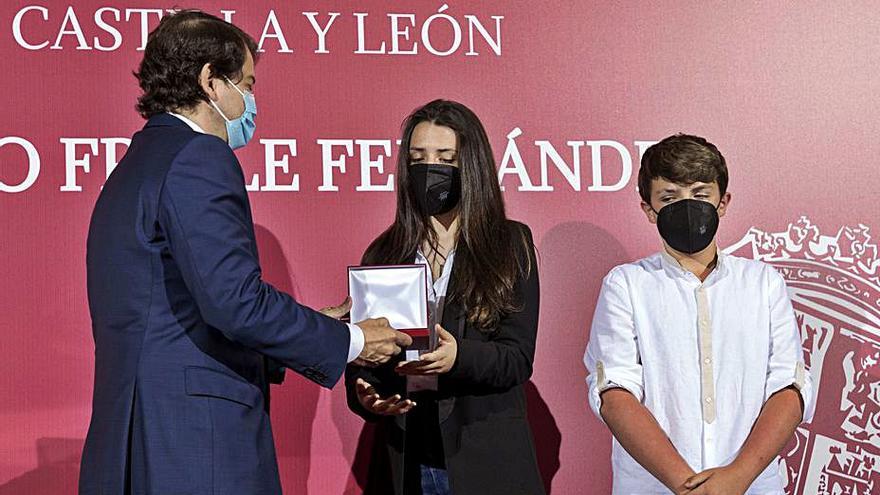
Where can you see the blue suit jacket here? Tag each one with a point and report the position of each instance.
(185, 328)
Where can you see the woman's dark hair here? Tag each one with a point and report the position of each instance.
(682, 159)
(174, 56)
(490, 254)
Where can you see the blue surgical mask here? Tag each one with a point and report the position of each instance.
(240, 130)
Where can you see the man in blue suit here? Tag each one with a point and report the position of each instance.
(187, 334)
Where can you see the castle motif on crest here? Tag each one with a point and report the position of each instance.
(851, 249)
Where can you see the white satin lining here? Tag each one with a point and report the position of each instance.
(394, 292)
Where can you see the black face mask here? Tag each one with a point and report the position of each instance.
(436, 187)
(688, 225)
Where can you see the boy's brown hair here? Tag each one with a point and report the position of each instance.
(682, 159)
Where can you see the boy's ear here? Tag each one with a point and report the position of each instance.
(722, 206)
(649, 212)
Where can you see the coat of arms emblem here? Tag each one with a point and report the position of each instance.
(834, 284)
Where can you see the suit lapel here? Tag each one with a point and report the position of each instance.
(453, 314)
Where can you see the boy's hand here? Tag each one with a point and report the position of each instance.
(725, 480)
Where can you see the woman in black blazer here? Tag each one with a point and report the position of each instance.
(454, 421)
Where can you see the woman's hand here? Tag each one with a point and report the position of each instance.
(369, 398)
(437, 362)
(337, 311)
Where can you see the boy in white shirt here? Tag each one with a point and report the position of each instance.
(695, 360)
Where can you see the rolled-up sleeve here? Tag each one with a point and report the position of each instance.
(612, 355)
(786, 361)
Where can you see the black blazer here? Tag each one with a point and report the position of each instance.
(487, 441)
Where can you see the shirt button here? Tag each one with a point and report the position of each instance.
(708, 400)
(707, 360)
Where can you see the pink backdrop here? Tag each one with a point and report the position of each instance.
(787, 92)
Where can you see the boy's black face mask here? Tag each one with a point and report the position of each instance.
(688, 225)
(436, 187)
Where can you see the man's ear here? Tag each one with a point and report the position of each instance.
(649, 212)
(207, 82)
(722, 206)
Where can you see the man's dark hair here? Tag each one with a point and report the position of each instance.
(682, 159)
(174, 56)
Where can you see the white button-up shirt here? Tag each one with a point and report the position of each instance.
(703, 357)
(437, 288)
(436, 303)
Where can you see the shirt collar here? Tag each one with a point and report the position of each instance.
(674, 268)
(189, 122)
(447, 265)
(421, 256)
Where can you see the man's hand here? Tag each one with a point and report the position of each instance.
(437, 362)
(725, 480)
(369, 398)
(381, 342)
(337, 311)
